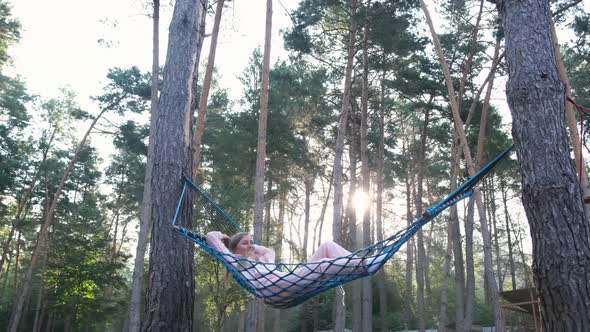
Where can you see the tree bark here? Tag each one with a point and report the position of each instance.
(170, 293)
(145, 213)
(552, 195)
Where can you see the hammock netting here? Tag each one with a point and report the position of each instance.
(285, 285)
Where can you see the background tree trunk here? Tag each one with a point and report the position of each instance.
(145, 214)
(366, 282)
(198, 134)
(254, 308)
(170, 294)
(487, 248)
(339, 311)
(40, 248)
(421, 255)
(379, 207)
(552, 195)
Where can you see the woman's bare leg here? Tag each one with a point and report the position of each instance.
(328, 250)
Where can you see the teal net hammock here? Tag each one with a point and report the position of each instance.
(285, 285)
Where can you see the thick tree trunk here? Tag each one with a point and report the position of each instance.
(339, 311)
(145, 213)
(552, 195)
(198, 134)
(170, 294)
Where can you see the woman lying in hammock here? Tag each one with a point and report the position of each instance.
(252, 261)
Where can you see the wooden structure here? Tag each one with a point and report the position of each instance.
(524, 301)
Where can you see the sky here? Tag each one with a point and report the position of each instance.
(60, 41)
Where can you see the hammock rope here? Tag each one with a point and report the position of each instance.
(285, 285)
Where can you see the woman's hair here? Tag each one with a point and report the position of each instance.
(234, 240)
(231, 245)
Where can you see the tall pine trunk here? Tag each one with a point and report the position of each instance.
(198, 134)
(339, 312)
(171, 285)
(40, 248)
(552, 195)
(367, 297)
(379, 205)
(254, 308)
(145, 213)
(487, 247)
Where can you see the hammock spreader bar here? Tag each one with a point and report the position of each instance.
(285, 285)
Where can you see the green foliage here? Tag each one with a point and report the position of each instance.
(127, 90)
(14, 119)
(9, 31)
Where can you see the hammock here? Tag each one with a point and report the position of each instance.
(285, 285)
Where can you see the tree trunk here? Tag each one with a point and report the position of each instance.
(253, 308)
(24, 200)
(410, 242)
(308, 183)
(170, 293)
(552, 195)
(487, 247)
(38, 311)
(367, 299)
(469, 268)
(456, 238)
(198, 134)
(570, 116)
(504, 193)
(39, 250)
(145, 213)
(355, 285)
(421, 257)
(491, 198)
(339, 311)
(379, 207)
(444, 289)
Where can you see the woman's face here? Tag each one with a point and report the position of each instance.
(245, 246)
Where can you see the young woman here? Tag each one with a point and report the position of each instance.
(254, 262)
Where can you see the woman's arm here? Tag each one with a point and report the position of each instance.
(266, 254)
(215, 240)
